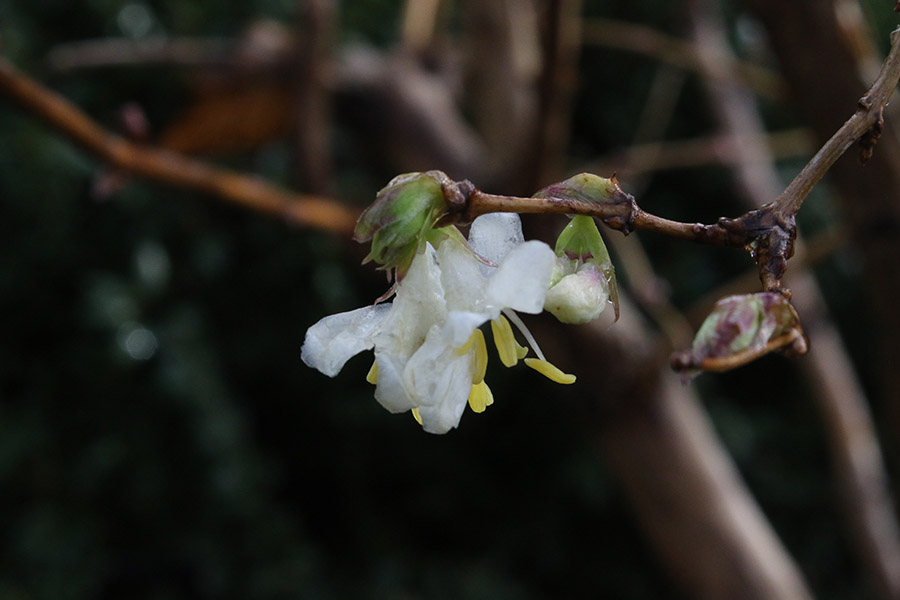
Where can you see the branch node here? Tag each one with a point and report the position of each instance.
(870, 138)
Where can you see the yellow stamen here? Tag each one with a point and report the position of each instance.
(480, 397)
(467, 347)
(549, 371)
(372, 375)
(416, 415)
(475, 344)
(505, 340)
(481, 357)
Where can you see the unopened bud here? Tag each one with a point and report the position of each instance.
(584, 279)
(404, 211)
(585, 187)
(742, 328)
(578, 297)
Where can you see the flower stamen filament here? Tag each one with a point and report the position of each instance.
(525, 333)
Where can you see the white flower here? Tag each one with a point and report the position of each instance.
(430, 356)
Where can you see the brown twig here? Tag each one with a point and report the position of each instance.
(766, 235)
(866, 121)
(623, 214)
(168, 167)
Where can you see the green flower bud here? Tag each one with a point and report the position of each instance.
(403, 213)
(584, 279)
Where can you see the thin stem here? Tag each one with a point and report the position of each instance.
(622, 215)
(866, 120)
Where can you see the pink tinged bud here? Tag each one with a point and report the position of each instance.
(741, 329)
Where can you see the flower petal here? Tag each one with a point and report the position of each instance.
(495, 234)
(331, 342)
(462, 277)
(461, 324)
(419, 304)
(440, 380)
(391, 392)
(522, 279)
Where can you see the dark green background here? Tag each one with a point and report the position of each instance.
(160, 437)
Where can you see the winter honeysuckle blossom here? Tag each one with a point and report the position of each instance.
(430, 354)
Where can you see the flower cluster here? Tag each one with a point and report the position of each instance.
(430, 353)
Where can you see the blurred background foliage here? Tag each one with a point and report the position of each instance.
(160, 437)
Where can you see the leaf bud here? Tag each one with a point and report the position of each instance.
(743, 328)
(586, 187)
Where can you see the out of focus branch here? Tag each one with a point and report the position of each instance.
(650, 291)
(710, 150)
(862, 482)
(419, 23)
(115, 52)
(683, 486)
(854, 447)
(557, 83)
(672, 50)
(312, 84)
(167, 167)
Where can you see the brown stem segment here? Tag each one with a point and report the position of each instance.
(767, 235)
